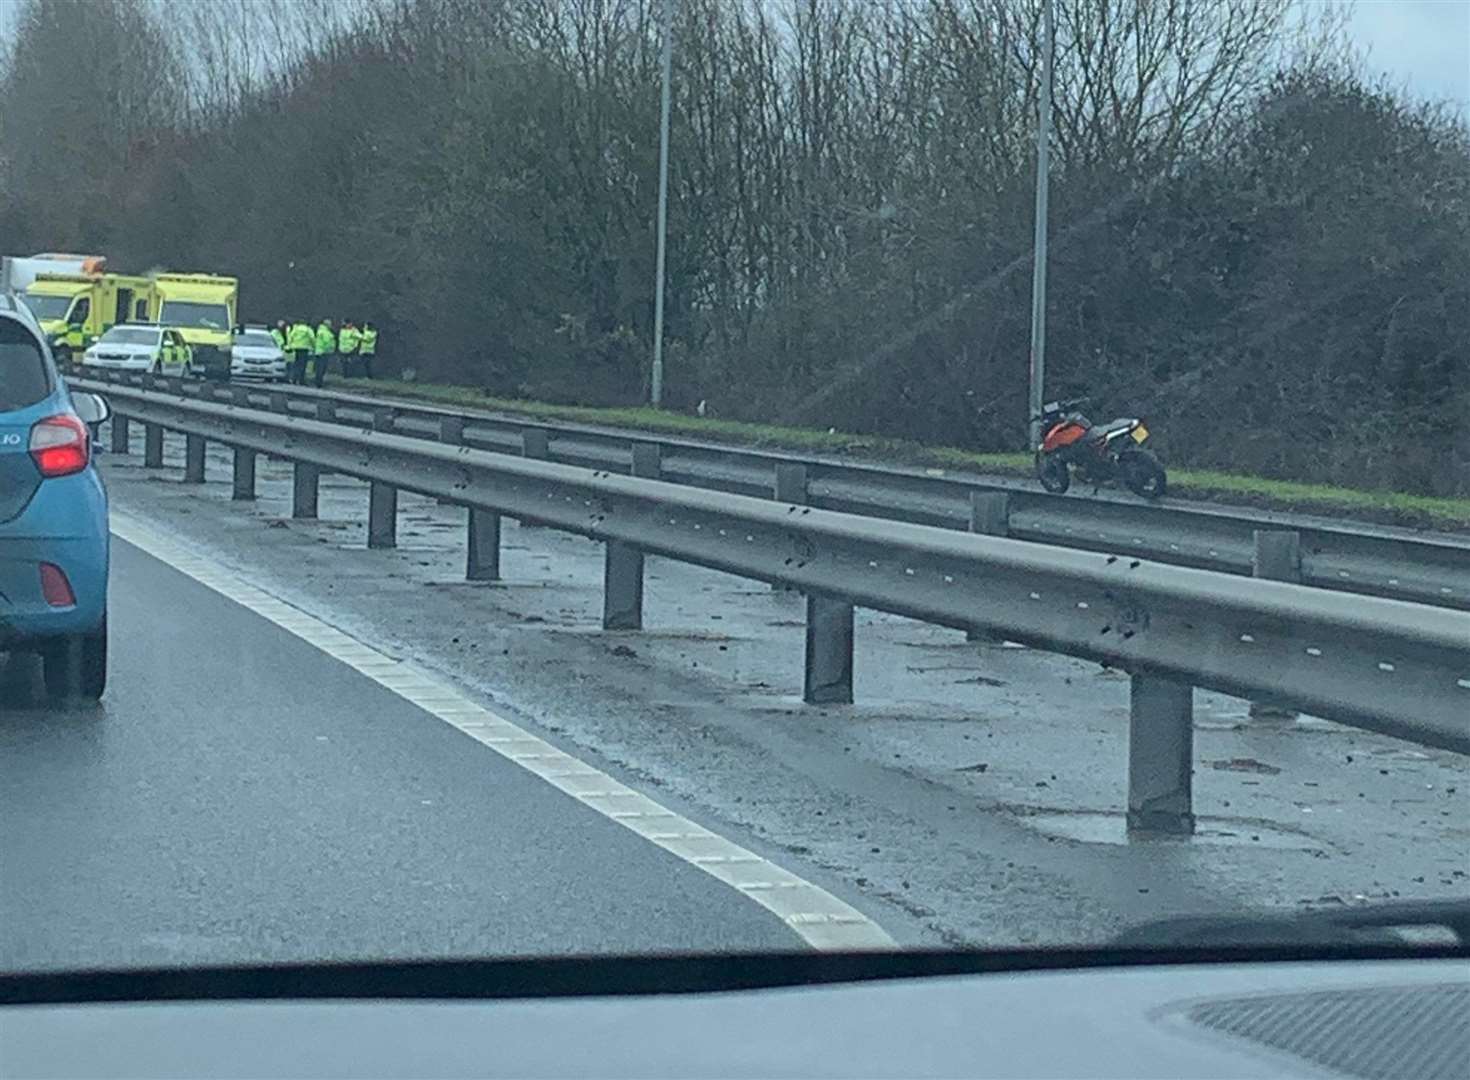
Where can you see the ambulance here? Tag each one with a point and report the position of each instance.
(75, 309)
(203, 308)
(18, 271)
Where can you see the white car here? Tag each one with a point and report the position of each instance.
(255, 355)
(141, 347)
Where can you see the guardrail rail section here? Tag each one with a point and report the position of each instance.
(1387, 665)
(1351, 557)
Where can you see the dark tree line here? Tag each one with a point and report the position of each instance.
(1251, 245)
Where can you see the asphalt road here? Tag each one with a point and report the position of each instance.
(972, 795)
(240, 796)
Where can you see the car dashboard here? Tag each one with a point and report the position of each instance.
(1361, 1018)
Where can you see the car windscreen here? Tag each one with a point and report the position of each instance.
(131, 335)
(47, 307)
(23, 376)
(256, 338)
(188, 313)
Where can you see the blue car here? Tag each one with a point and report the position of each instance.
(53, 515)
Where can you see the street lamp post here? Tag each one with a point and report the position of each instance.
(657, 381)
(1038, 273)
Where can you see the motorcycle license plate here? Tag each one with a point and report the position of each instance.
(1139, 433)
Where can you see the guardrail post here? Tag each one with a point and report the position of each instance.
(622, 577)
(244, 478)
(1277, 557)
(382, 498)
(647, 460)
(326, 412)
(1160, 756)
(451, 432)
(482, 554)
(382, 516)
(304, 477)
(828, 676)
(193, 459)
(239, 394)
(790, 487)
(482, 548)
(535, 443)
(277, 402)
(990, 514)
(152, 446)
(790, 482)
(622, 586)
(120, 441)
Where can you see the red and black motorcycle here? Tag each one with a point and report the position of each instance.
(1097, 453)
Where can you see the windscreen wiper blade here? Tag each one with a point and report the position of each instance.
(1403, 922)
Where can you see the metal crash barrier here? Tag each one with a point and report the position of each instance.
(1384, 665)
(1347, 556)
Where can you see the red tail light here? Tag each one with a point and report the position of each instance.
(55, 588)
(60, 445)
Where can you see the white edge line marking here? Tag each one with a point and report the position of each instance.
(822, 920)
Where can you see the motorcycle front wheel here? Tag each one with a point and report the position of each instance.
(1053, 473)
(1143, 474)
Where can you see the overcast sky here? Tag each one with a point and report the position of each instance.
(1422, 43)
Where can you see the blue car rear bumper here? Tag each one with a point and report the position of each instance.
(64, 524)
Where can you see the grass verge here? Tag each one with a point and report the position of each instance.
(1416, 511)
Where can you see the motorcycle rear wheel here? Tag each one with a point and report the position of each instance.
(1053, 473)
(1143, 474)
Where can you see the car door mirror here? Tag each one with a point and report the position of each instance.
(91, 409)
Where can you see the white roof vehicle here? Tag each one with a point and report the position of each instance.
(255, 355)
(141, 347)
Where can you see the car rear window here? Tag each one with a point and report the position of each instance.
(23, 377)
